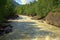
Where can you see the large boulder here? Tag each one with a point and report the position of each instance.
(53, 18)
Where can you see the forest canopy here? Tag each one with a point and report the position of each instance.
(38, 8)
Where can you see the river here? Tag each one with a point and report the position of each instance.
(24, 28)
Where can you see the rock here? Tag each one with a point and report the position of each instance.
(5, 28)
(38, 18)
(53, 18)
(35, 18)
(11, 17)
(8, 29)
(14, 17)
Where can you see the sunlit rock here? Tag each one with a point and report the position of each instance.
(53, 18)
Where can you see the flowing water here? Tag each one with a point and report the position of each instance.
(24, 28)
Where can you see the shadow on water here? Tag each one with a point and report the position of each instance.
(22, 30)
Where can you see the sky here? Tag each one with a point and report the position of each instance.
(24, 1)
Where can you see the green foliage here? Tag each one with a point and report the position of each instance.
(40, 8)
(6, 9)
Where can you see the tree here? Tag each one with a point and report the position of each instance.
(6, 9)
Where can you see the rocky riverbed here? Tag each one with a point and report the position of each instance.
(24, 28)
